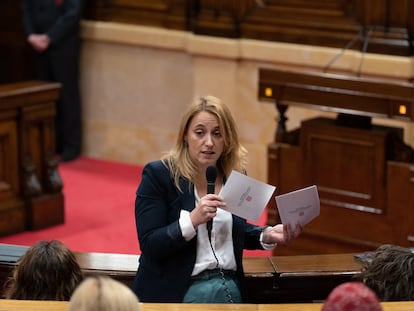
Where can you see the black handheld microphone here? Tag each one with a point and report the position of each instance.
(211, 175)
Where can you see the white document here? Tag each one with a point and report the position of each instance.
(245, 196)
(300, 206)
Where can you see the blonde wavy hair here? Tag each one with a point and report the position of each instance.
(102, 293)
(234, 156)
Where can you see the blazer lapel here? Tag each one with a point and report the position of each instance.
(187, 196)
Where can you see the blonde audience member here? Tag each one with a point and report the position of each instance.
(102, 293)
(48, 270)
(352, 296)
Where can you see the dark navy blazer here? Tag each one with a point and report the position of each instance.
(167, 259)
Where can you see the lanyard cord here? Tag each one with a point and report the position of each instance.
(220, 270)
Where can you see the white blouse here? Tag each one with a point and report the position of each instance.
(220, 253)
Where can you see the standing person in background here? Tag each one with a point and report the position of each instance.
(178, 261)
(48, 270)
(52, 28)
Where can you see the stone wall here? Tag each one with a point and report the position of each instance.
(136, 81)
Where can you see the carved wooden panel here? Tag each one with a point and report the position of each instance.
(12, 211)
(346, 163)
(364, 172)
(37, 128)
(30, 185)
(366, 199)
(9, 182)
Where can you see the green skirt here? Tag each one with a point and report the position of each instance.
(213, 286)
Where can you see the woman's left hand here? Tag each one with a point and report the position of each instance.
(281, 233)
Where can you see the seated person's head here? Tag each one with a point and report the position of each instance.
(352, 296)
(390, 274)
(103, 294)
(47, 271)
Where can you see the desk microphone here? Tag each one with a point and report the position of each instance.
(211, 175)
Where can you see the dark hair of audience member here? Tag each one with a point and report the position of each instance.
(47, 271)
(390, 274)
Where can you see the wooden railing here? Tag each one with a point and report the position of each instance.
(279, 279)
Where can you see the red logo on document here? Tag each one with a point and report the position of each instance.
(249, 198)
(301, 213)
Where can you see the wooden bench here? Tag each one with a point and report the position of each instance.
(27, 305)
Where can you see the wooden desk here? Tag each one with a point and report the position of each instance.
(260, 279)
(197, 307)
(32, 305)
(311, 277)
(364, 171)
(338, 93)
(275, 279)
(121, 267)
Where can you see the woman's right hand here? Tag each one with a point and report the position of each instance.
(206, 209)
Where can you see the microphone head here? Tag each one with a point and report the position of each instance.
(211, 174)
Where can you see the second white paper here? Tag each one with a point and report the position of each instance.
(299, 206)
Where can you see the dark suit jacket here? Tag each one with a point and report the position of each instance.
(59, 19)
(167, 260)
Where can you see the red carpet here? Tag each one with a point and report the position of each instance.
(99, 209)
